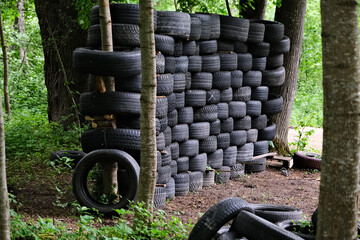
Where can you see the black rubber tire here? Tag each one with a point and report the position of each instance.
(189, 148)
(245, 153)
(274, 31)
(173, 167)
(261, 147)
(195, 64)
(240, 47)
(244, 61)
(208, 145)
(166, 156)
(201, 80)
(242, 94)
(237, 109)
(217, 216)
(207, 47)
(158, 160)
(181, 184)
(195, 28)
(277, 213)
(167, 135)
(208, 178)
(163, 122)
(210, 63)
(253, 227)
(226, 95)
(178, 48)
(179, 82)
(133, 122)
(181, 64)
(123, 35)
(253, 166)
(174, 24)
(290, 225)
(180, 133)
(170, 189)
(164, 84)
(171, 102)
(223, 140)
(195, 98)
(199, 130)
(267, 133)
(102, 63)
(163, 174)
(198, 162)
(180, 100)
(260, 93)
(274, 61)
(188, 80)
(223, 111)
(252, 135)
(259, 63)
(228, 61)
(252, 78)
(174, 147)
(256, 32)
(273, 105)
(261, 49)
(170, 64)
(164, 44)
(215, 127)
(273, 78)
(227, 125)
(186, 115)
(172, 118)
(215, 26)
(195, 181)
(208, 113)
(221, 80)
(74, 155)
(253, 108)
(238, 137)
(79, 180)
(224, 45)
(259, 122)
(281, 47)
(205, 25)
(213, 96)
(215, 159)
(182, 164)
(233, 28)
(229, 156)
(242, 123)
(307, 160)
(189, 48)
(223, 175)
(238, 170)
(236, 79)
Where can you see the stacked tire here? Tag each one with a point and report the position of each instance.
(214, 73)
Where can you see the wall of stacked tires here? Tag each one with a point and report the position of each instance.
(214, 75)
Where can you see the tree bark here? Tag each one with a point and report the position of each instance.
(4, 196)
(20, 26)
(257, 13)
(146, 189)
(228, 7)
(338, 201)
(61, 34)
(6, 69)
(292, 14)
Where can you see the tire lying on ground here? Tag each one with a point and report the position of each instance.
(297, 228)
(277, 213)
(85, 166)
(307, 160)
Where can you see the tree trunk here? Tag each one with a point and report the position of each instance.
(20, 26)
(292, 14)
(110, 182)
(228, 7)
(6, 69)
(146, 189)
(338, 206)
(61, 34)
(257, 13)
(4, 197)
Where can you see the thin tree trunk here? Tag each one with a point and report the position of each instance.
(4, 197)
(110, 183)
(6, 69)
(228, 7)
(146, 189)
(257, 13)
(20, 26)
(338, 201)
(292, 15)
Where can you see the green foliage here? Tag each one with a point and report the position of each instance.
(302, 140)
(161, 228)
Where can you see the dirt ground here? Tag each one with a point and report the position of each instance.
(40, 197)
